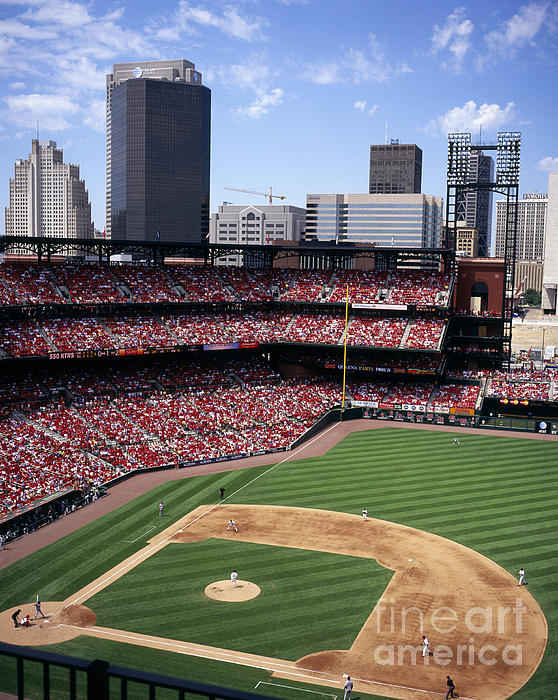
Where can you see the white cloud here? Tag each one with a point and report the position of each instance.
(261, 105)
(61, 13)
(17, 86)
(230, 22)
(470, 117)
(81, 74)
(518, 31)
(95, 115)
(322, 73)
(251, 74)
(357, 66)
(361, 106)
(550, 164)
(454, 35)
(49, 109)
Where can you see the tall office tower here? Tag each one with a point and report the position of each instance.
(475, 206)
(395, 220)
(550, 275)
(395, 168)
(531, 217)
(47, 198)
(158, 141)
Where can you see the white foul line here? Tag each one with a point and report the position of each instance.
(144, 554)
(265, 664)
(139, 536)
(293, 687)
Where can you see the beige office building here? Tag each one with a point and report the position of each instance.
(47, 197)
(531, 217)
(466, 240)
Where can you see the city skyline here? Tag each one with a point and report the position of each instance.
(300, 90)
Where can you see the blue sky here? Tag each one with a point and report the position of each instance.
(300, 88)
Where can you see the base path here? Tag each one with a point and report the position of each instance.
(484, 630)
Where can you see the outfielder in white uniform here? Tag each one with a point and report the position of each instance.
(234, 577)
(232, 526)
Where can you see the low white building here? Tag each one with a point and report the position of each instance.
(255, 225)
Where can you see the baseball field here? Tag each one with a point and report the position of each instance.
(321, 593)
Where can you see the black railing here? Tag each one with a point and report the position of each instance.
(91, 680)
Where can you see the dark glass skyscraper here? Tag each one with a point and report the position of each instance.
(475, 206)
(158, 152)
(395, 168)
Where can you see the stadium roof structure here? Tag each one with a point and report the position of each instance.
(44, 248)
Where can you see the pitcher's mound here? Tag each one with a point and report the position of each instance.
(224, 590)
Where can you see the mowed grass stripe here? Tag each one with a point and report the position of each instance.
(305, 595)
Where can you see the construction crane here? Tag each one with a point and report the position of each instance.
(265, 194)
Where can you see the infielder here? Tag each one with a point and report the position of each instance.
(348, 689)
(522, 581)
(425, 646)
(232, 526)
(364, 514)
(234, 577)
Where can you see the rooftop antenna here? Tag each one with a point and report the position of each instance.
(480, 134)
(386, 131)
(37, 129)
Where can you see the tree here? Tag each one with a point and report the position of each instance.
(532, 297)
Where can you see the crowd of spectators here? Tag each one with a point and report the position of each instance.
(89, 283)
(66, 431)
(425, 334)
(380, 332)
(27, 338)
(96, 283)
(457, 396)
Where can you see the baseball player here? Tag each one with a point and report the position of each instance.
(522, 581)
(161, 509)
(234, 578)
(451, 688)
(425, 646)
(456, 441)
(38, 610)
(348, 689)
(232, 526)
(364, 514)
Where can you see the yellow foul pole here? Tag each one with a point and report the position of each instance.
(345, 352)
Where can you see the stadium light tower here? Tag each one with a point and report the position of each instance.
(508, 155)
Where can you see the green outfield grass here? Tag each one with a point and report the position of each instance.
(494, 494)
(310, 601)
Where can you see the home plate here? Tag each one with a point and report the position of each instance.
(409, 560)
